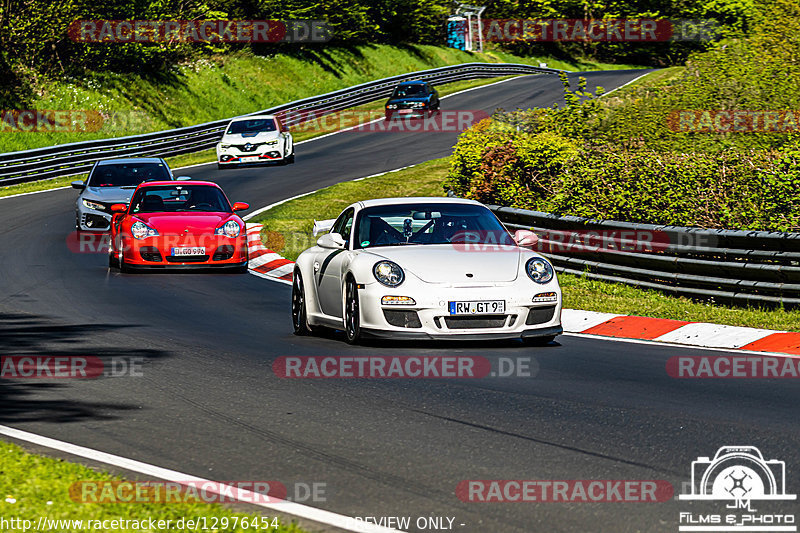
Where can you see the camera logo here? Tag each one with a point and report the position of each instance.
(738, 476)
(738, 473)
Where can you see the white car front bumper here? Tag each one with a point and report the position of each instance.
(261, 153)
(429, 317)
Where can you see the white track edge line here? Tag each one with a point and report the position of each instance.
(296, 509)
(626, 84)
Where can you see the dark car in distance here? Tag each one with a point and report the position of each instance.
(413, 99)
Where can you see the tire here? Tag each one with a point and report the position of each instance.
(539, 341)
(290, 159)
(299, 314)
(123, 268)
(112, 261)
(352, 313)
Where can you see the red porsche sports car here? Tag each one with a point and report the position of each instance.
(178, 224)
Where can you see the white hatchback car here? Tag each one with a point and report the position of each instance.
(254, 140)
(425, 268)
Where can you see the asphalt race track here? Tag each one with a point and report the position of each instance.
(208, 403)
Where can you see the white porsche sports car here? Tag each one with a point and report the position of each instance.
(253, 140)
(425, 268)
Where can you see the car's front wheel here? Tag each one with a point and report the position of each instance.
(352, 313)
(299, 314)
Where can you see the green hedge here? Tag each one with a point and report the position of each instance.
(548, 172)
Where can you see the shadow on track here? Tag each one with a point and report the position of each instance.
(32, 399)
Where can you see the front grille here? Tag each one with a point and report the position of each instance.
(95, 221)
(150, 253)
(187, 259)
(247, 148)
(475, 322)
(223, 253)
(402, 319)
(540, 315)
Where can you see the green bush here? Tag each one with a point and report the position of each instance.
(545, 172)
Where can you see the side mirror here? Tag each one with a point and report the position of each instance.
(80, 185)
(332, 240)
(119, 208)
(525, 238)
(240, 206)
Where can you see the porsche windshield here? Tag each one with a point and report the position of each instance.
(252, 126)
(410, 91)
(128, 174)
(434, 223)
(180, 199)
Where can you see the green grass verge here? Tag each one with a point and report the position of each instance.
(209, 156)
(238, 83)
(39, 487)
(222, 86)
(287, 229)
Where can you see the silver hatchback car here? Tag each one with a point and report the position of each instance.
(112, 181)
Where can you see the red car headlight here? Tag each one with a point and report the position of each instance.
(230, 229)
(140, 230)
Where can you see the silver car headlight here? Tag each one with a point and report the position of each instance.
(270, 143)
(539, 270)
(391, 106)
(94, 205)
(388, 273)
(230, 229)
(224, 146)
(140, 230)
(417, 104)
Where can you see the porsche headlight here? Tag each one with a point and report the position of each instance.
(94, 205)
(539, 270)
(140, 230)
(230, 229)
(388, 273)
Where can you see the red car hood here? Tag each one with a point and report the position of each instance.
(178, 223)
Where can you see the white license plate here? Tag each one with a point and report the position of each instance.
(481, 307)
(405, 111)
(250, 159)
(188, 251)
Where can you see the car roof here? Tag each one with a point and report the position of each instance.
(253, 117)
(413, 82)
(416, 200)
(177, 183)
(125, 160)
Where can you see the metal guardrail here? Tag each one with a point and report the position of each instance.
(77, 158)
(746, 267)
